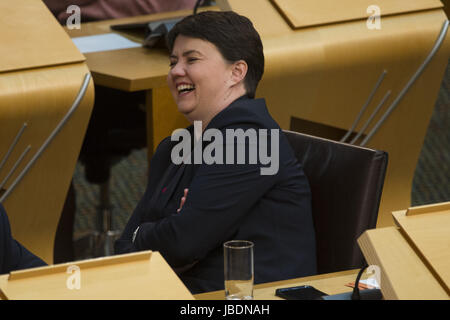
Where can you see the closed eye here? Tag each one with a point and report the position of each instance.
(173, 59)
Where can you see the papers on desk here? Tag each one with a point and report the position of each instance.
(370, 283)
(103, 42)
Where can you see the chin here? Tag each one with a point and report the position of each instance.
(185, 108)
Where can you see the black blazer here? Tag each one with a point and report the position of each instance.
(227, 202)
(13, 255)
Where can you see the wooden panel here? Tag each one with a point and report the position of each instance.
(166, 116)
(325, 75)
(3, 281)
(144, 275)
(264, 16)
(429, 232)
(429, 208)
(446, 7)
(403, 274)
(307, 13)
(41, 98)
(134, 69)
(31, 37)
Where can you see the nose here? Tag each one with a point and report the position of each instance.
(177, 70)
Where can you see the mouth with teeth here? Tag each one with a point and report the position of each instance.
(185, 88)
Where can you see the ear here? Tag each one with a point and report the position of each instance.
(238, 72)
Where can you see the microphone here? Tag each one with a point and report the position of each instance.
(157, 31)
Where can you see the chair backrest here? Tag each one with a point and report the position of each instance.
(346, 184)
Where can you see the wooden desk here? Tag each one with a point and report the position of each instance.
(143, 275)
(330, 283)
(41, 73)
(414, 258)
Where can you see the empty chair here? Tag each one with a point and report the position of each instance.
(346, 185)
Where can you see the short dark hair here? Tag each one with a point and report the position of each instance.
(232, 34)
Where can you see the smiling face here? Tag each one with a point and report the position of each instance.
(201, 81)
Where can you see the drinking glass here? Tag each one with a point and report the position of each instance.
(238, 268)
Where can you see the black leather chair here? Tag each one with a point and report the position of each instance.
(346, 184)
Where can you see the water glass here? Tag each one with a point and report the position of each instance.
(238, 268)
